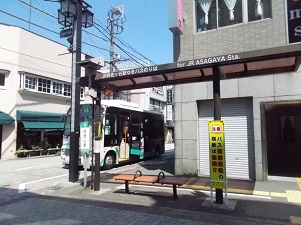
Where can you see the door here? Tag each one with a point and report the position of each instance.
(239, 137)
(135, 138)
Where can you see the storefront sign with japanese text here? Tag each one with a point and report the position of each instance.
(217, 154)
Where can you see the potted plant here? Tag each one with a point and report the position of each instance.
(22, 151)
(45, 146)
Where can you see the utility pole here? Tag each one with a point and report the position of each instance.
(116, 26)
(217, 116)
(72, 16)
(75, 94)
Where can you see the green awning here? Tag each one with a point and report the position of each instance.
(5, 119)
(31, 125)
(38, 116)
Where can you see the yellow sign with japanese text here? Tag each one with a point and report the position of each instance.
(217, 154)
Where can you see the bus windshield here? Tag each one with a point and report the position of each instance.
(85, 115)
(67, 125)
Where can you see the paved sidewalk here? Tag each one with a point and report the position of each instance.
(71, 203)
(64, 203)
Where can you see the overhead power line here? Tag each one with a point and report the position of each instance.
(123, 42)
(28, 22)
(48, 29)
(106, 39)
(37, 9)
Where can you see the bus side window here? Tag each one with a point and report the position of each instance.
(110, 126)
(124, 128)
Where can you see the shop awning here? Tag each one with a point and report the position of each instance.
(35, 125)
(5, 119)
(38, 116)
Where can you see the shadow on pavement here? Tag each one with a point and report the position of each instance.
(81, 207)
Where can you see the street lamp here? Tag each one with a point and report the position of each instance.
(87, 18)
(63, 20)
(68, 8)
(70, 15)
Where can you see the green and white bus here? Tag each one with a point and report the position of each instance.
(127, 133)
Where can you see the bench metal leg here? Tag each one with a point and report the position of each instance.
(127, 187)
(174, 188)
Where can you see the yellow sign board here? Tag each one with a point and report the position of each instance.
(217, 154)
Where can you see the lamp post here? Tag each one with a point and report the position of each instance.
(72, 15)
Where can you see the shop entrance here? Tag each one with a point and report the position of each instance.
(283, 127)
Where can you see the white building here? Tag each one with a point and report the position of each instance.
(35, 89)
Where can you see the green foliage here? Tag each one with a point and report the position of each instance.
(22, 151)
(35, 147)
(45, 145)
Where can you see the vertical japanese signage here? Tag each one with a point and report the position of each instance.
(217, 154)
(169, 96)
(180, 14)
(294, 20)
(175, 18)
(85, 136)
(169, 112)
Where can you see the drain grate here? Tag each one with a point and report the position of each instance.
(54, 188)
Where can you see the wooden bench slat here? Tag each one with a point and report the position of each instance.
(147, 179)
(128, 177)
(161, 179)
(173, 180)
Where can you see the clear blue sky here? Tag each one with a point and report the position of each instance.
(146, 27)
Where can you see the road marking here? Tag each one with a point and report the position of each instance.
(263, 193)
(295, 219)
(278, 194)
(32, 167)
(299, 182)
(22, 187)
(293, 196)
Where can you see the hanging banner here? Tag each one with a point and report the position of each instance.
(293, 20)
(217, 154)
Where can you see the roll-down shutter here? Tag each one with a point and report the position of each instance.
(239, 137)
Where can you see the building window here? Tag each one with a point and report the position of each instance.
(156, 105)
(38, 84)
(67, 90)
(30, 82)
(212, 14)
(57, 88)
(230, 12)
(259, 9)
(44, 85)
(2, 79)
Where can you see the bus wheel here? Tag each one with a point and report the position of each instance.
(109, 161)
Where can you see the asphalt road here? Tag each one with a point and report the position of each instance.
(41, 173)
